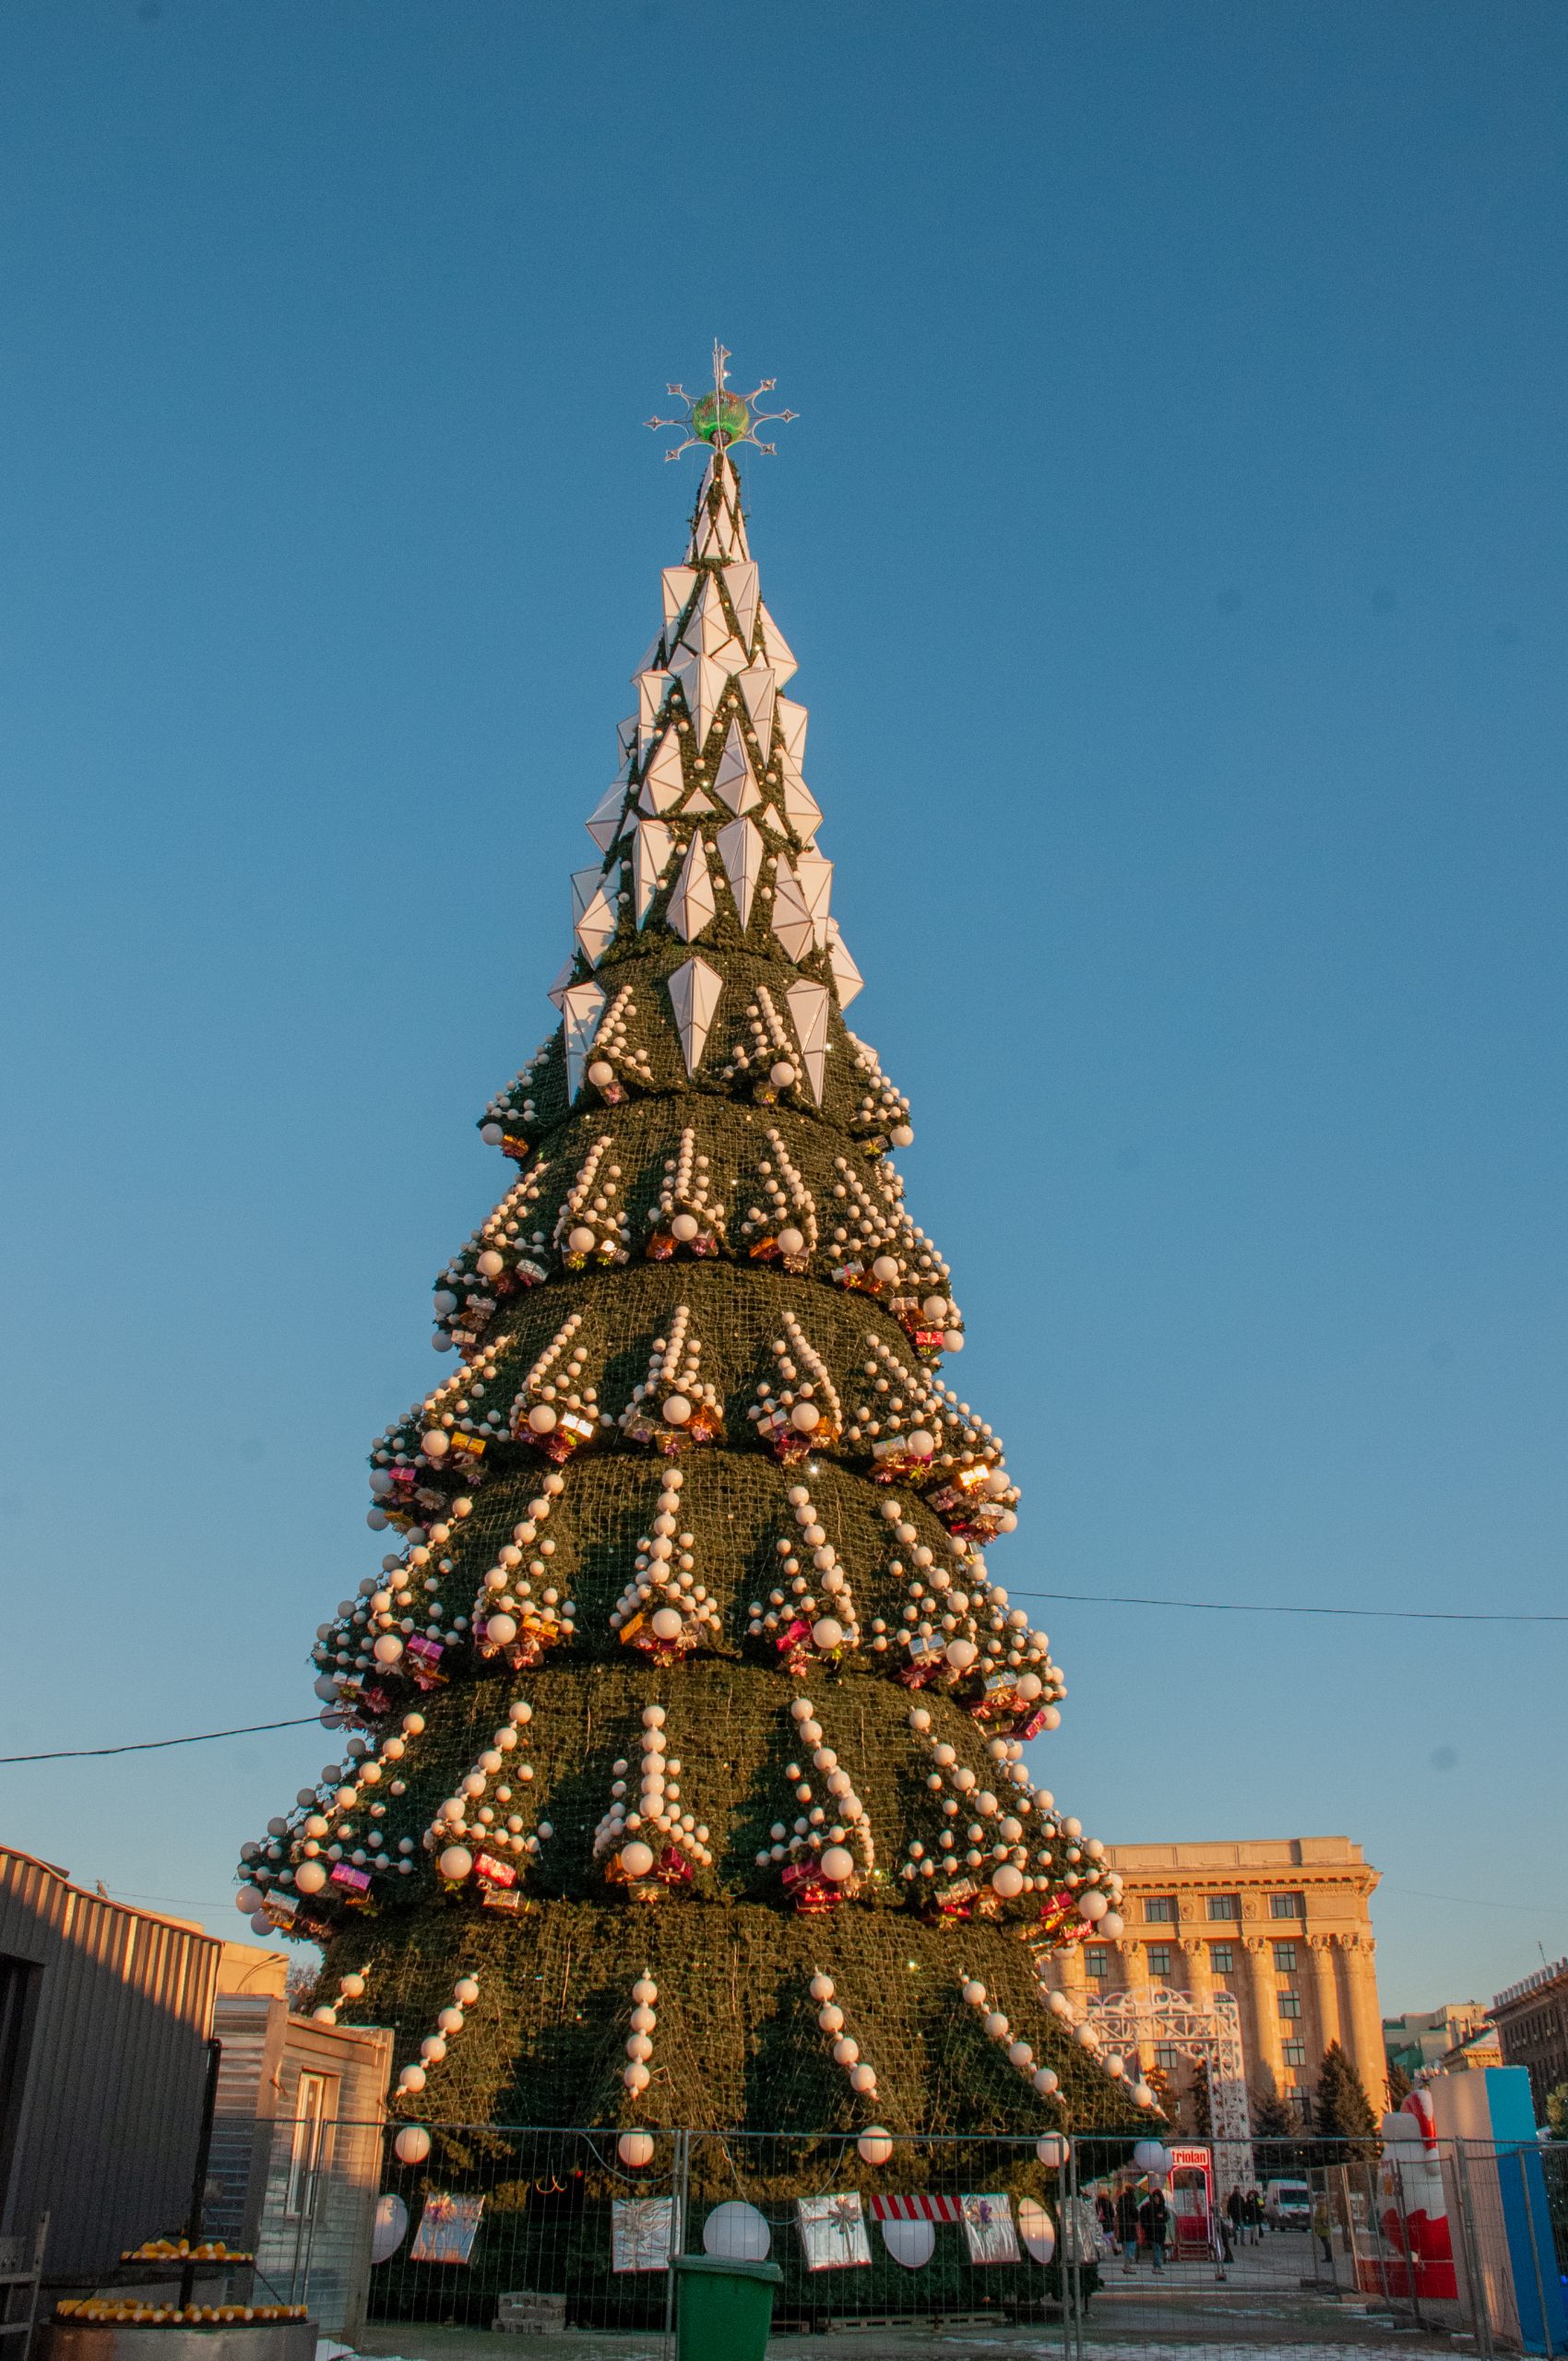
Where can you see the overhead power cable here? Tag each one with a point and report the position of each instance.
(147, 1745)
(1266, 1606)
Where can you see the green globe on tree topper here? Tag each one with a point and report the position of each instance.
(685, 1782)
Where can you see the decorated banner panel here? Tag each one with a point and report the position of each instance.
(644, 2233)
(832, 2232)
(447, 2229)
(988, 2226)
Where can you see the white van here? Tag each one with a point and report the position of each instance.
(1288, 2204)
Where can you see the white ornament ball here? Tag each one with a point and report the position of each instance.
(974, 1993)
(413, 2078)
(636, 2077)
(684, 1227)
(1152, 2156)
(1092, 1906)
(541, 1419)
(836, 1863)
(1045, 2081)
(922, 1444)
(388, 1648)
(667, 1623)
(465, 1991)
(635, 2149)
(862, 2078)
(781, 1074)
(434, 1445)
(806, 1418)
(502, 1629)
(490, 1264)
(1007, 1881)
(827, 1634)
(636, 1858)
(309, 1878)
(875, 2145)
(1053, 2150)
(411, 2146)
(455, 1863)
(790, 1241)
(960, 1654)
(248, 1900)
(885, 1270)
(901, 1135)
(821, 1987)
(492, 1134)
(601, 1073)
(677, 1410)
(580, 1239)
(1113, 1924)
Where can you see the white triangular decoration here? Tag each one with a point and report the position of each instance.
(697, 806)
(649, 656)
(651, 685)
(603, 822)
(808, 1007)
(791, 917)
(815, 871)
(778, 650)
(759, 689)
(692, 904)
(557, 992)
(734, 779)
(707, 628)
(695, 989)
(800, 807)
(792, 721)
(581, 1007)
(741, 850)
(703, 679)
(627, 737)
(665, 778)
(651, 847)
(679, 581)
(741, 581)
(596, 913)
(846, 975)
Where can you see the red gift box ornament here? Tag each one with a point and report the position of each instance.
(352, 1884)
(493, 1872)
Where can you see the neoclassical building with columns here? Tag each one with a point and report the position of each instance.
(1283, 1923)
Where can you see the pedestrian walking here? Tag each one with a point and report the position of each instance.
(1127, 2228)
(1322, 2222)
(1153, 2221)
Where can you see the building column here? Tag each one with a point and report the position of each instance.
(1200, 1974)
(1361, 2017)
(1326, 1996)
(1126, 1954)
(1075, 1977)
(1264, 2059)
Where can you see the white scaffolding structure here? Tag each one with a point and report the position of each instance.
(1208, 2031)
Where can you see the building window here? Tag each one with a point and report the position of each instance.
(1287, 1905)
(1160, 1909)
(1165, 2055)
(1285, 1959)
(1160, 1962)
(1224, 1905)
(1097, 1959)
(311, 2137)
(1222, 1958)
(1294, 2053)
(1290, 2004)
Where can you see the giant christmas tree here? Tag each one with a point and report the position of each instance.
(685, 1782)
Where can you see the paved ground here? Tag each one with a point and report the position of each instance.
(1269, 2302)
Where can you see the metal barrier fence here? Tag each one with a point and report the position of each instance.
(493, 2227)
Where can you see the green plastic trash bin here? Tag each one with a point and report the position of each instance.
(724, 2309)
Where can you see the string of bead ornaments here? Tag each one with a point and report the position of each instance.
(798, 1410)
(503, 1254)
(1003, 1667)
(350, 1987)
(556, 1406)
(846, 2050)
(795, 1621)
(1020, 2055)
(673, 1406)
(513, 1108)
(589, 1228)
(687, 1214)
(320, 1844)
(654, 1843)
(449, 2023)
(785, 1230)
(819, 1869)
(883, 1110)
(769, 1052)
(664, 1611)
(1085, 2033)
(520, 1612)
(476, 1834)
(614, 1053)
(636, 2074)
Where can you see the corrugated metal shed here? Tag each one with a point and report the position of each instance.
(109, 2008)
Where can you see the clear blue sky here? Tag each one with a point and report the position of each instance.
(1172, 540)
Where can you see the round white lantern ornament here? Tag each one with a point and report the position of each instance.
(635, 2149)
(910, 2243)
(1052, 2150)
(411, 2146)
(875, 2145)
(1152, 2156)
(1036, 2228)
(738, 2232)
